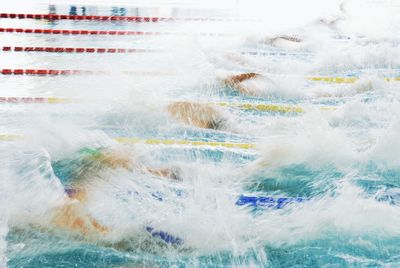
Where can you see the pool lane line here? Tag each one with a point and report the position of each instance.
(275, 53)
(337, 80)
(263, 107)
(232, 145)
(93, 50)
(119, 18)
(346, 80)
(27, 100)
(131, 140)
(78, 50)
(278, 108)
(11, 137)
(53, 72)
(107, 32)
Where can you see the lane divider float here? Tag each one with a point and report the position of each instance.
(276, 108)
(52, 72)
(114, 18)
(26, 100)
(186, 142)
(346, 80)
(275, 53)
(130, 140)
(102, 32)
(120, 50)
(78, 50)
(264, 107)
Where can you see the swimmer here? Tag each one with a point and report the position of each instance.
(333, 20)
(208, 116)
(281, 41)
(293, 41)
(235, 82)
(198, 114)
(75, 173)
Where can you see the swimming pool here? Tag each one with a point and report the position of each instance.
(320, 129)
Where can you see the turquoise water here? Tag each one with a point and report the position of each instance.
(340, 155)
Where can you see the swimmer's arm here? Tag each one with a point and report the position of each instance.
(73, 216)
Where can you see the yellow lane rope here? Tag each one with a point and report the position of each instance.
(264, 107)
(10, 137)
(346, 80)
(277, 108)
(337, 80)
(127, 140)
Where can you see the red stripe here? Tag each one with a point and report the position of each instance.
(41, 72)
(45, 72)
(89, 17)
(77, 32)
(7, 71)
(53, 72)
(30, 72)
(112, 18)
(23, 100)
(18, 71)
(76, 50)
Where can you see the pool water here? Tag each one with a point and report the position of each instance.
(337, 158)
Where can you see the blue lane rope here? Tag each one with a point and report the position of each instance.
(166, 237)
(267, 201)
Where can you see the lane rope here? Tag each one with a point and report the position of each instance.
(130, 140)
(52, 72)
(187, 142)
(115, 18)
(346, 80)
(101, 32)
(123, 50)
(78, 50)
(264, 107)
(276, 108)
(337, 80)
(26, 100)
